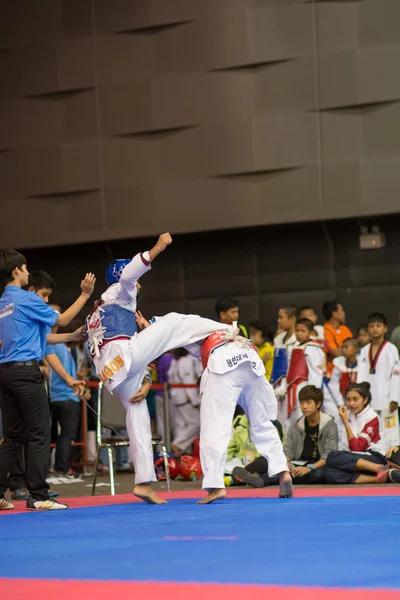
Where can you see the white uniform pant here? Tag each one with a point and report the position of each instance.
(186, 425)
(172, 331)
(220, 394)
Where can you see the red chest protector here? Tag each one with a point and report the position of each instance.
(213, 340)
(297, 373)
(346, 379)
(298, 369)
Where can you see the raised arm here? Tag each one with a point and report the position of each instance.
(139, 265)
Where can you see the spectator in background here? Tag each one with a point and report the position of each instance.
(379, 365)
(308, 444)
(287, 319)
(363, 335)
(185, 369)
(163, 365)
(335, 332)
(65, 409)
(308, 312)
(395, 337)
(227, 310)
(364, 460)
(262, 339)
(345, 370)
(306, 367)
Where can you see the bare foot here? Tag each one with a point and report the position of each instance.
(285, 485)
(216, 494)
(145, 492)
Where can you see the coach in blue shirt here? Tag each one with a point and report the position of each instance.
(24, 322)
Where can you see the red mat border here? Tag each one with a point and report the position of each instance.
(87, 501)
(37, 589)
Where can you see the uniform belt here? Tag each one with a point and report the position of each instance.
(26, 363)
(120, 337)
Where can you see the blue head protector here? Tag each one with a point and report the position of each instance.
(114, 271)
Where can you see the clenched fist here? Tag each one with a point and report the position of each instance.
(164, 240)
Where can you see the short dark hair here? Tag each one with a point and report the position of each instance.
(259, 326)
(329, 308)
(39, 280)
(308, 308)
(363, 388)
(363, 326)
(267, 331)
(306, 322)
(352, 340)
(224, 304)
(311, 392)
(377, 317)
(10, 259)
(291, 310)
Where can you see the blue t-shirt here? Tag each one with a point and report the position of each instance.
(24, 322)
(59, 391)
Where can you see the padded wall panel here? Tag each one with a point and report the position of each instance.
(212, 114)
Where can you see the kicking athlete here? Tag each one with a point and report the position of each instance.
(121, 354)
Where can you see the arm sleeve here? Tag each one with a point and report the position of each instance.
(288, 448)
(315, 362)
(49, 350)
(331, 440)
(35, 309)
(395, 377)
(330, 340)
(369, 433)
(132, 272)
(363, 367)
(334, 387)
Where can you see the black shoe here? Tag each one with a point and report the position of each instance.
(394, 475)
(44, 504)
(241, 475)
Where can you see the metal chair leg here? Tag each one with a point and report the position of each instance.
(95, 472)
(111, 467)
(166, 465)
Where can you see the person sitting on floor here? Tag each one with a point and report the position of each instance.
(308, 443)
(241, 450)
(363, 460)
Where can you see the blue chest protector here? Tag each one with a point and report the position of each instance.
(117, 321)
(280, 365)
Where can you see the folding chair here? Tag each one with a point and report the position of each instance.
(111, 413)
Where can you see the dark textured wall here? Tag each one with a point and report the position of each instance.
(121, 118)
(263, 267)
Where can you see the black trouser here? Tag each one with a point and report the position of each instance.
(341, 465)
(26, 414)
(260, 466)
(67, 413)
(17, 475)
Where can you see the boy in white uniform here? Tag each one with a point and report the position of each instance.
(234, 373)
(379, 365)
(121, 355)
(306, 367)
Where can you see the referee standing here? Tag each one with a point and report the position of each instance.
(24, 322)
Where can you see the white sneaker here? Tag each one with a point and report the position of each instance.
(45, 505)
(5, 504)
